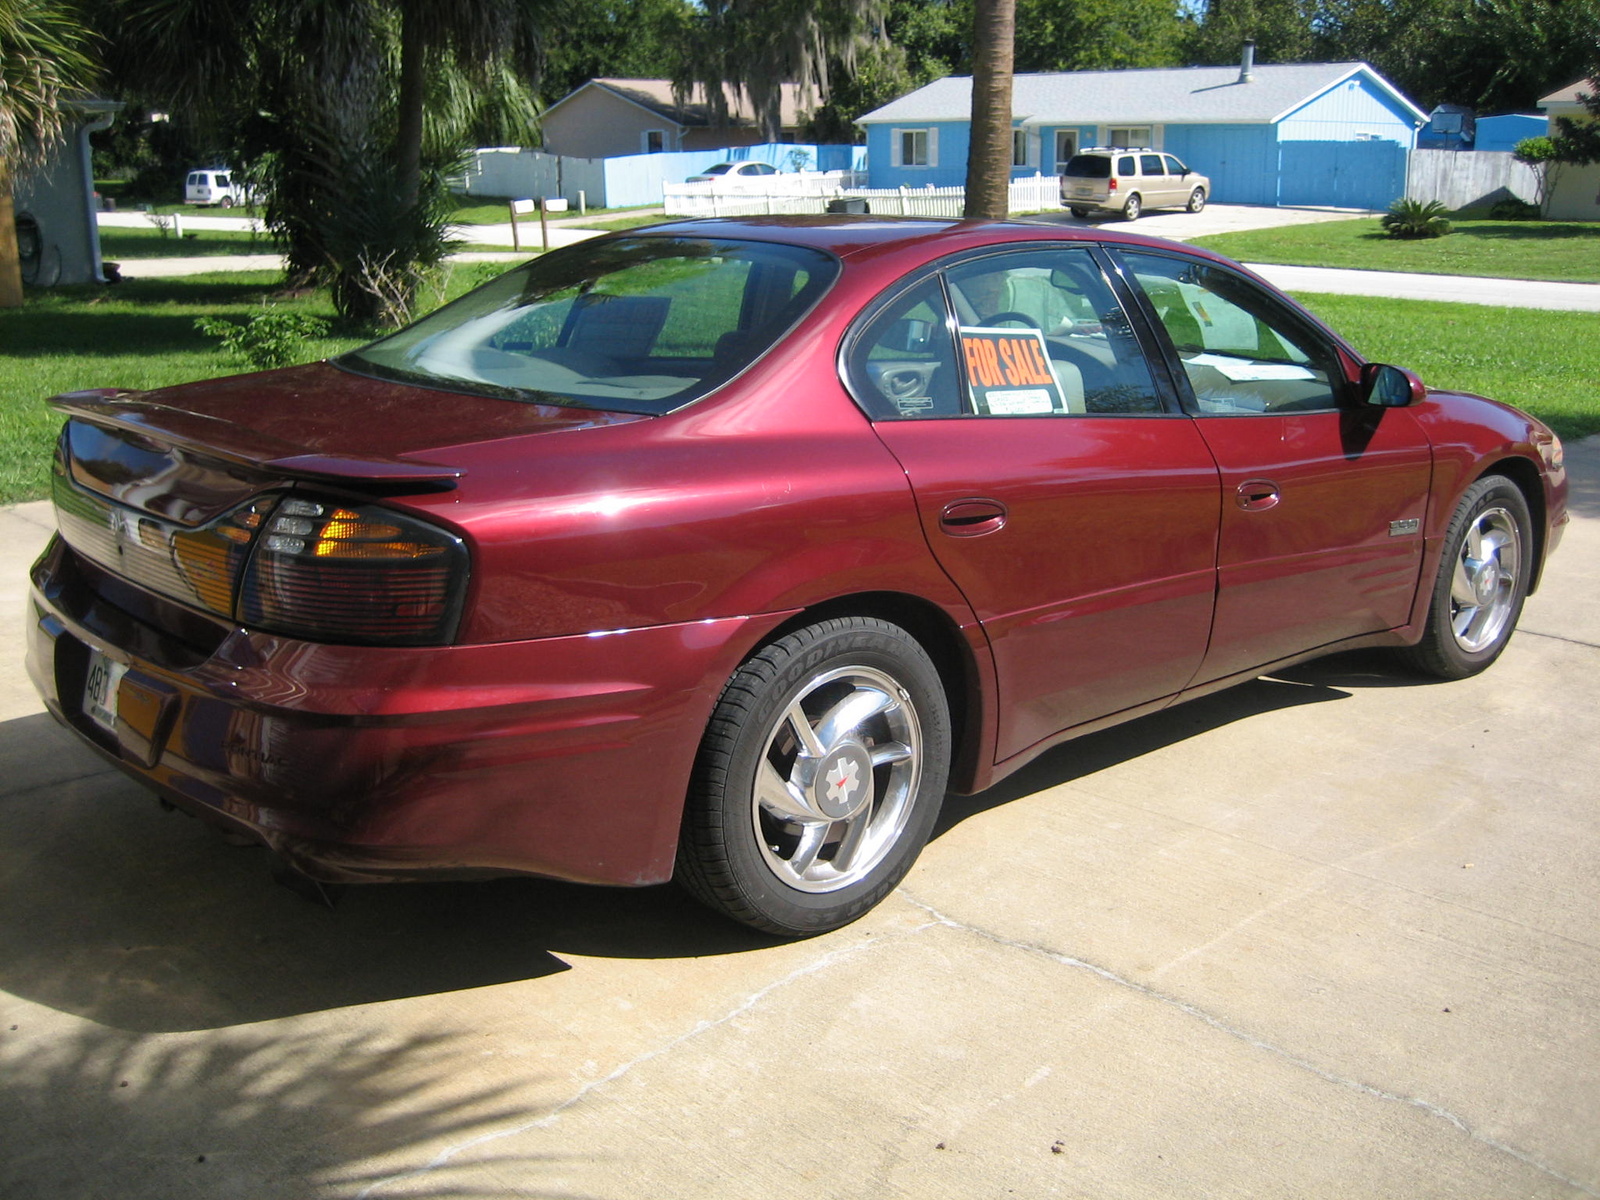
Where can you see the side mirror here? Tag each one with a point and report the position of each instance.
(1390, 387)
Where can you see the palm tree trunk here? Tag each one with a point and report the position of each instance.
(413, 94)
(994, 25)
(10, 258)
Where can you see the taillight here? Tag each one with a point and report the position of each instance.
(1112, 186)
(329, 571)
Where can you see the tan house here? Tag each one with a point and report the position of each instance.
(1576, 194)
(608, 118)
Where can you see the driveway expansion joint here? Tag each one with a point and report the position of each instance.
(1232, 1031)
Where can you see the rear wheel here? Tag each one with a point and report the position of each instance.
(1482, 582)
(1080, 213)
(1197, 199)
(1131, 210)
(819, 778)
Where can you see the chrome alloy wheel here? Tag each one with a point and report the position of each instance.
(1483, 588)
(835, 784)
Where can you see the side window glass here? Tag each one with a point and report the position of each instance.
(1150, 164)
(1125, 165)
(1174, 166)
(1242, 352)
(903, 364)
(1042, 334)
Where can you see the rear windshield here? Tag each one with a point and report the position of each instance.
(636, 324)
(1089, 166)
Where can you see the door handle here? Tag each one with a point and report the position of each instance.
(969, 518)
(1257, 495)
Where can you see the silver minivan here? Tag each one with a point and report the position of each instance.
(1128, 180)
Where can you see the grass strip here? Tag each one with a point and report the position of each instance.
(1561, 251)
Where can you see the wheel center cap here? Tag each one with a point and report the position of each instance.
(844, 785)
(1484, 581)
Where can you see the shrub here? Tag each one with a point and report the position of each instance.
(274, 337)
(1416, 219)
(1513, 209)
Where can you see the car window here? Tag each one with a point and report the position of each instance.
(762, 169)
(1088, 166)
(1150, 164)
(1174, 166)
(640, 324)
(1125, 165)
(719, 169)
(1042, 334)
(903, 364)
(1242, 351)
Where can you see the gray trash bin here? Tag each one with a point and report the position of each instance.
(847, 205)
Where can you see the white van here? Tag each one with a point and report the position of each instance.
(213, 185)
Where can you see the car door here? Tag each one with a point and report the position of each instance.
(1323, 496)
(1075, 512)
(1157, 187)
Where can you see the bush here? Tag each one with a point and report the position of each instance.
(273, 337)
(1416, 219)
(1513, 209)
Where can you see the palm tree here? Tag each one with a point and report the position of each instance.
(347, 114)
(989, 154)
(43, 57)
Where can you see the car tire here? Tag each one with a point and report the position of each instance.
(819, 778)
(226, 202)
(1081, 213)
(1481, 584)
(1197, 200)
(1132, 209)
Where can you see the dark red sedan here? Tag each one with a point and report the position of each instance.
(720, 551)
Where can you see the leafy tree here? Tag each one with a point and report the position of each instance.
(1578, 141)
(1097, 35)
(989, 152)
(923, 40)
(44, 57)
(1281, 29)
(1544, 157)
(755, 46)
(594, 39)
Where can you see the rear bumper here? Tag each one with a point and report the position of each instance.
(565, 757)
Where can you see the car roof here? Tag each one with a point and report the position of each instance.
(846, 236)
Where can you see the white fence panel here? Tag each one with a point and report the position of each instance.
(810, 193)
(1469, 178)
(511, 171)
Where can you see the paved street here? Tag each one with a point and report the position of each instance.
(1334, 933)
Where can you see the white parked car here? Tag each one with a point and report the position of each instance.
(213, 185)
(737, 176)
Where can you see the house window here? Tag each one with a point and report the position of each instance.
(913, 148)
(655, 141)
(1019, 147)
(1066, 147)
(1130, 136)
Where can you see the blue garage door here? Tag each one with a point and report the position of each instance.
(1342, 174)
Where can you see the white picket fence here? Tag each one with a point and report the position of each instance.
(1041, 193)
(803, 192)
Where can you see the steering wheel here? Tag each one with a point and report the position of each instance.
(1020, 317)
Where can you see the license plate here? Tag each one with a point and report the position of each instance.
(1083, 191)
(100, 690)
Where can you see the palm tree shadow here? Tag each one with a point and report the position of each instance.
(244, 1113)
(145, 921)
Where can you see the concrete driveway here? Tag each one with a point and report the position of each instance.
(1330, 934)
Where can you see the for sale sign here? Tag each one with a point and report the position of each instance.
(1009, 373)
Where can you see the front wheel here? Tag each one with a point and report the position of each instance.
(819, 778)
(1482, 582)
(1132, 209)
(1197, 200)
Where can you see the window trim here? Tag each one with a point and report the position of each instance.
(1019, 142)
(644, 140)
(930, 146)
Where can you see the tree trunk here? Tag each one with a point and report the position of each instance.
(10, 259)
(989, 154)
(413, 93)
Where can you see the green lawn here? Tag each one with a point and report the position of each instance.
(1557, 250)
(474, 211)
(119, 245)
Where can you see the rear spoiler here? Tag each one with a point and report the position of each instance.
(212, 437)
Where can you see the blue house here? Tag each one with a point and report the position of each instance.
(1333, 134)
(1501, 134)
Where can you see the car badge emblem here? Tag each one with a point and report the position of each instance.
(1401, 528)
(842, 780)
